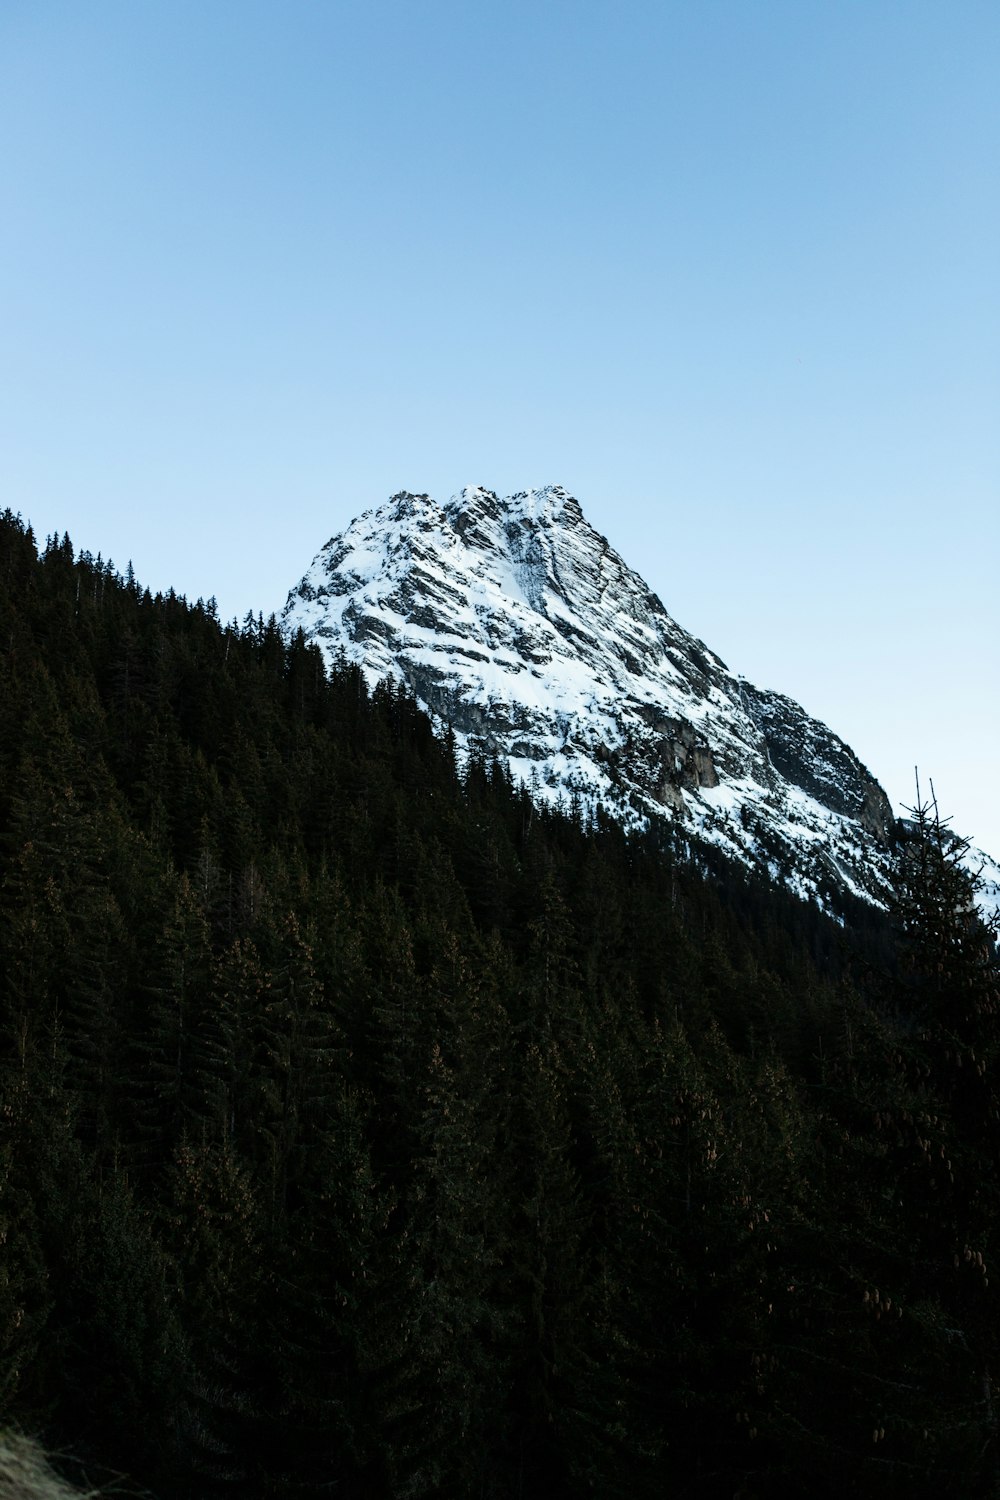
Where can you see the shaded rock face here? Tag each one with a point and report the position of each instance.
(810, 757)
(513, 621)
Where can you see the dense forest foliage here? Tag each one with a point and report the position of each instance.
(370, 1131)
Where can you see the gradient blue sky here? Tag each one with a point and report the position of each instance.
(727, 269)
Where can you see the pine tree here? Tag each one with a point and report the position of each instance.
(949, 1164)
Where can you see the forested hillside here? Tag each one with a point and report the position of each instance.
(369, 1132)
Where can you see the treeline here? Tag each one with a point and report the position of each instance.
(370, 1131)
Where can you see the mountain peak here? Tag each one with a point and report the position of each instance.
(516, 624)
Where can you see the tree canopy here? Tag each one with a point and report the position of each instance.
(368, 1129)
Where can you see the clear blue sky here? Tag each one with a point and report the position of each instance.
(727, 269)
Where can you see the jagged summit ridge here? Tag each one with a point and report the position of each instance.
(516, 623)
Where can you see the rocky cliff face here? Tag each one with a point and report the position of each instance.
(514, 622)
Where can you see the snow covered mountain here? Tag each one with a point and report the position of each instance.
(514, 622)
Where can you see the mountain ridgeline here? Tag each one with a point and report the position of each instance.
(373, 1125)
(519, 628)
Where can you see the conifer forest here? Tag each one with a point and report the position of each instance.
(369, 1131)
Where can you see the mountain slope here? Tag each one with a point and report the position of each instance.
(515, 623)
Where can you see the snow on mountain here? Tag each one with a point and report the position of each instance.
(986, 873)
(513, 621)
